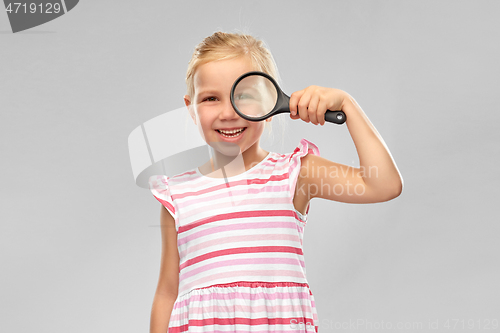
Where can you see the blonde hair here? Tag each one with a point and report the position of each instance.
(223, 46)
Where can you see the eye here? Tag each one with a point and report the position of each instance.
(210, 99)
(243, 96)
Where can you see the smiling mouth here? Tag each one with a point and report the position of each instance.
(231, 133)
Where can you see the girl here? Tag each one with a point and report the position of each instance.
(232, 229)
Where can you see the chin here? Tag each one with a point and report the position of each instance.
(226, 148)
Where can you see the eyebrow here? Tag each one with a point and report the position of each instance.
(207, 91)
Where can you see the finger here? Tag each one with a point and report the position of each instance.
(294, 100)
(303, 105)
(313, 109)
(322, 108)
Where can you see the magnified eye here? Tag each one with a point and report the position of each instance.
(243, 96)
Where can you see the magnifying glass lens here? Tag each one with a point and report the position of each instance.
(255, 96)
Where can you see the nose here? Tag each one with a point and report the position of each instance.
(227, 111)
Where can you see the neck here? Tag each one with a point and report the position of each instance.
(228, 165)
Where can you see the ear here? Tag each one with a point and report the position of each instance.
(187, 101)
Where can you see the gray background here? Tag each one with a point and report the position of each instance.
(80, 242)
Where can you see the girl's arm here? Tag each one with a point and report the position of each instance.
(168, 283)
(376, 180)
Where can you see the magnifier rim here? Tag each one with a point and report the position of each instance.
(267, 76)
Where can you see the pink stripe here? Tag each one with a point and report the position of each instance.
(261, 273)
(243, 261)
(166, 204)
(239, 226)
(294, 296)
(257, 284)
(183, 185)
(237, 239)
(187, 185)
(250, 296)
(251, 329)
(266, 309)
(240, 321)
(240, 250)
(200, 206)
(237, 215)
(231, 184)
(183, 178)
(235, 192)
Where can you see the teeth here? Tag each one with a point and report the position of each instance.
(231, 131)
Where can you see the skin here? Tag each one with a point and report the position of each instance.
(376, 180)
(211, 109)
(168, 281)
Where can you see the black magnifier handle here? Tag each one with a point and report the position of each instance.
(336, 117)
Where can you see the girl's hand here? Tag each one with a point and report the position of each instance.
(313, 102)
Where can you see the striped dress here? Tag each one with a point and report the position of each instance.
(240, 246)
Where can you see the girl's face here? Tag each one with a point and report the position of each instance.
(212, 111)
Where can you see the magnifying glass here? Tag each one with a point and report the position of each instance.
(256, 96)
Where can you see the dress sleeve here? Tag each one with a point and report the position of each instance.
(158, 185)
(305, 147)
